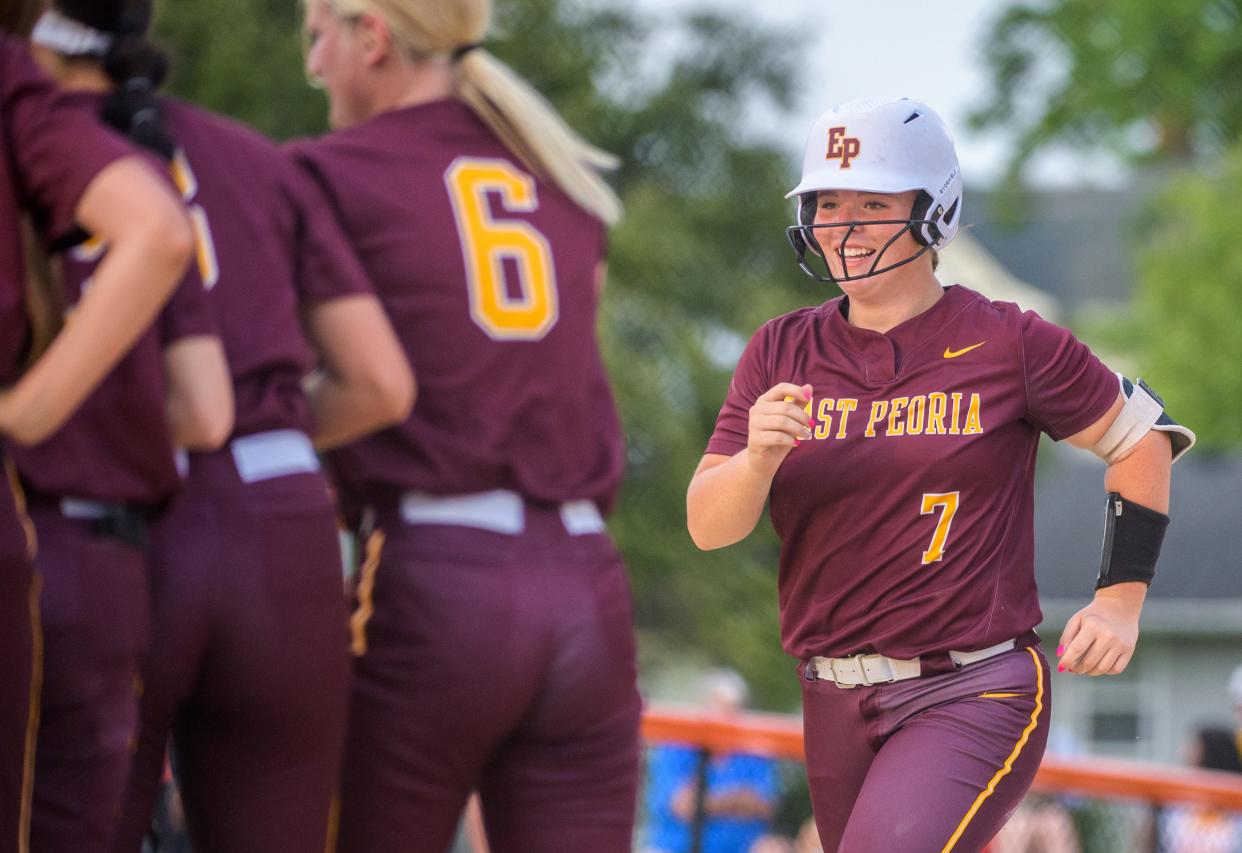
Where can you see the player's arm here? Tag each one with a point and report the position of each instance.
(727, 493)
(199, 399)
(364, 382)
(1100, 638)
(150, 245)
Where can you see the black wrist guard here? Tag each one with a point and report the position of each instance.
(1132, 538)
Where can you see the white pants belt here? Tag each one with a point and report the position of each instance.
(500, 511)
(278, 453)
(78, 508)
(878, 669)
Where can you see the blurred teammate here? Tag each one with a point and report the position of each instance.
(91, 490)
(895, 429)
(493, 626)
(248, 667)
(61, 171)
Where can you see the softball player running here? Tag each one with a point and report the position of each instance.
(61, 170)
(248, 666)
(894, 430)
(493, 638)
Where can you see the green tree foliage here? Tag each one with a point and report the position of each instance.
(1156, 84)
(1141, 78)
(242, 58)
(1190, 301)
(696, 265)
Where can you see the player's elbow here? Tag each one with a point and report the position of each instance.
(206, 430)
(394, 390)
(700, 541)
(30, 430)
(389, 390)
(167, 242)
(706, 535)
(199, 396)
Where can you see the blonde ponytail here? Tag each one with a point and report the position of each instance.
(528, 124)
(520, 116)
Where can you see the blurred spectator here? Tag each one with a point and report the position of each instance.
(772, 844)
(808, 838)
(1203, 829)
(471, 835)
(807, 841)
(741, 789)
(1041, 824)
(168, 830)
(1235, 697)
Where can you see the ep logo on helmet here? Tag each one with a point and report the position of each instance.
(842, 147)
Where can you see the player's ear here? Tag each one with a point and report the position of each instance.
(375, 39)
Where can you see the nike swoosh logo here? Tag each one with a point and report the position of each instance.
(949, 353)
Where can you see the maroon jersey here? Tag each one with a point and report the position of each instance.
(266, 242)
(488, 275)
(906, 523)
(51, 149)
(116, 447)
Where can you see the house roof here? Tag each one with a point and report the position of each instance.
(968, 262)
(1077, 245)
(1198, 582)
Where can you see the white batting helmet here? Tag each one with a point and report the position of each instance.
(884, 145)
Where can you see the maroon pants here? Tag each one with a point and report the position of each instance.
(95, 623)
(930, 764)
(248, 666)
(502, 663)
(20, 671)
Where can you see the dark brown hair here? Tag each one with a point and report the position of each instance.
(17, 17)
(136, 64)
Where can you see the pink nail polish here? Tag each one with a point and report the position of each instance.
(796, 442)
(1060, 667)
(1060, 650)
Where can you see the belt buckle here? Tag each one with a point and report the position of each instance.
(862, 672)
(864, 678)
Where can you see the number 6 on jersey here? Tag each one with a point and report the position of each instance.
(947, 501)
(487, 243)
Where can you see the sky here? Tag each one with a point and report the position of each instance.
(923, 50)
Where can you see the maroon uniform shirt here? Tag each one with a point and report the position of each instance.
(267, 241)
(116, 447)
(53, 149)
(50, 151)
(906, 523)
(488, 275)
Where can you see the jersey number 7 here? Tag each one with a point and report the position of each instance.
(947, 503)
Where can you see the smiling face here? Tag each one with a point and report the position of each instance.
(862, 224)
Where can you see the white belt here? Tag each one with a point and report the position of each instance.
(91, 510)
(500, 511)
(878, 669)
(267, 455)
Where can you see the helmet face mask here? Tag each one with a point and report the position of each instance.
(808, 245)
(884, 146)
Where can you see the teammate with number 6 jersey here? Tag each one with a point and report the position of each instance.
(894, 430)
(493, 641)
